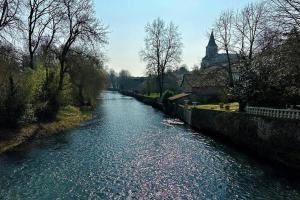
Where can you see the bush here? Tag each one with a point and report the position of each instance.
(42, 87)
(31, 95)
(87, 79)
(12, 103)
(68, 111)
(167, 94)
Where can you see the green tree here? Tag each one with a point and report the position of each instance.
(87, 77)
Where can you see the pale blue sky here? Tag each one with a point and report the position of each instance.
(127, 18)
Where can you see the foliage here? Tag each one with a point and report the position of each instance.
(167, 94)
(273, 78)
(13, 98)
(38, 80)
(87, 78)
(69, 110)
(171, 81)
(149, 86)
(68, 117)
(267, 47)
(12, 103)
(32, 95)
(42, 89)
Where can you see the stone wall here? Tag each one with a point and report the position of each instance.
(147, 100)
(184, 114)
(274, 139)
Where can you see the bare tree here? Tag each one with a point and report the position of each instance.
(112, 79)
(9, 14)
(79, 25)
(40, 15)
(287, 12)
(124, 75)
(224, 33)
(240, 26)
(52, 27)
(163, 49)
(250, 24)
(47, 47)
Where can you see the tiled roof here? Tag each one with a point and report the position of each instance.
(178, 96)
(210, 77)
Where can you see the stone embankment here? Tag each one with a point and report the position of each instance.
(276, 140)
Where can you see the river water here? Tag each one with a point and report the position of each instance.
(126, 152)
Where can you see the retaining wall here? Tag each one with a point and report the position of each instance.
(270, 138)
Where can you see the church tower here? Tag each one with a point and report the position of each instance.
(212, 48)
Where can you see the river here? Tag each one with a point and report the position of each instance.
(126, 152)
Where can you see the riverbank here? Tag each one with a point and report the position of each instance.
(126, 152)
(270, 139)
(66, 119)
(147, 100)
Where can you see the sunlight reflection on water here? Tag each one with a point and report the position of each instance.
(126, 152)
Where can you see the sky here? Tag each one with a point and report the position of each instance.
(127, 19)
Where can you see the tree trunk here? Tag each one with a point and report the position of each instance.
(80, 95)
(61, 73)
(162, 83)
(31, 62)
(231, 84)
(242, 107)
(61, 77)
(251, 51)
(159, 85)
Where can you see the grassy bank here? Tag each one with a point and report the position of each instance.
(67, 118)
(152, 95)
(216, 107)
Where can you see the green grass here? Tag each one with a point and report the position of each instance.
(152, 95)
(87, 111)
(232, 107)
(67, 118)
(68, 111)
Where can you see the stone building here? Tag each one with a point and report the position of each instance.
(213, 58)
(208, 84)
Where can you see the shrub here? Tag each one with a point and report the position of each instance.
(42, 87)
(12, 103)
(69, 111)
(87, 79)
(167, 94)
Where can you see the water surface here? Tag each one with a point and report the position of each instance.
(126, 152)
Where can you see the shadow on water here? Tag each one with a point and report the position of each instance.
(56, 142)
(21, 153)
(270, 169)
